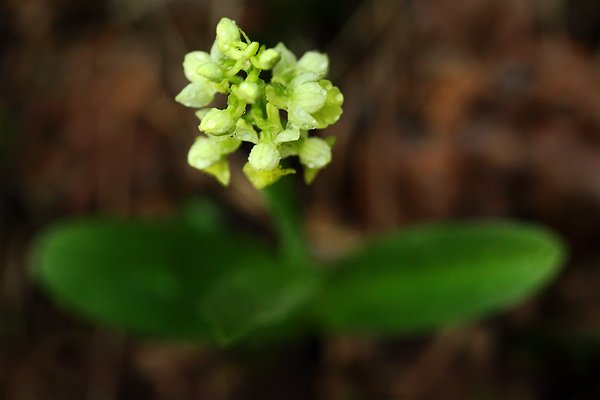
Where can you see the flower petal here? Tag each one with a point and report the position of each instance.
(315, 153)
(290, 134)
(314, 61)
(332, 109)
(226, 144)
(286, 64)
(191, 62)
(203, 153)
(196, 94)
(301, 118)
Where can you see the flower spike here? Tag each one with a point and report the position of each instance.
(274, 116)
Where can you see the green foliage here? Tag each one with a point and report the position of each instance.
(192, 279)
(256, 297)
(429, 276)
(142, 277)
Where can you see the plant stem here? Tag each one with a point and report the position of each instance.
(282, 202)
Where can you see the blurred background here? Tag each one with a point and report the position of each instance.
(477, 108)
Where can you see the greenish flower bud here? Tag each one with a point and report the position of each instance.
(310, 96)
(267, 59)
(210, 70)
(217, 122)
(227, 33)
(315, 62)
(191, 62)
(203, 153)
(264, 156)
(247, 92)
(206, 154)
(196, 94)
(315, 153)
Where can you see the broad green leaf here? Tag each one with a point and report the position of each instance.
(140, 277)
(250, 298)
(429, 276)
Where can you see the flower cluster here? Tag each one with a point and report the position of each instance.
(254, 107)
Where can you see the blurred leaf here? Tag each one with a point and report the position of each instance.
(249, 298)
(433, 275)
(203, 214)
(142, 277)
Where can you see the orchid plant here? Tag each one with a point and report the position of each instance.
(297, 87)
(193, 277)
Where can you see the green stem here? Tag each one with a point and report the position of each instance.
(281, 201)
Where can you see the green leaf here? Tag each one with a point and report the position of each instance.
(433, 275)
(250, 298)
(140, 277)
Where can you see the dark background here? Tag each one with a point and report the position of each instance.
(454, 109)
